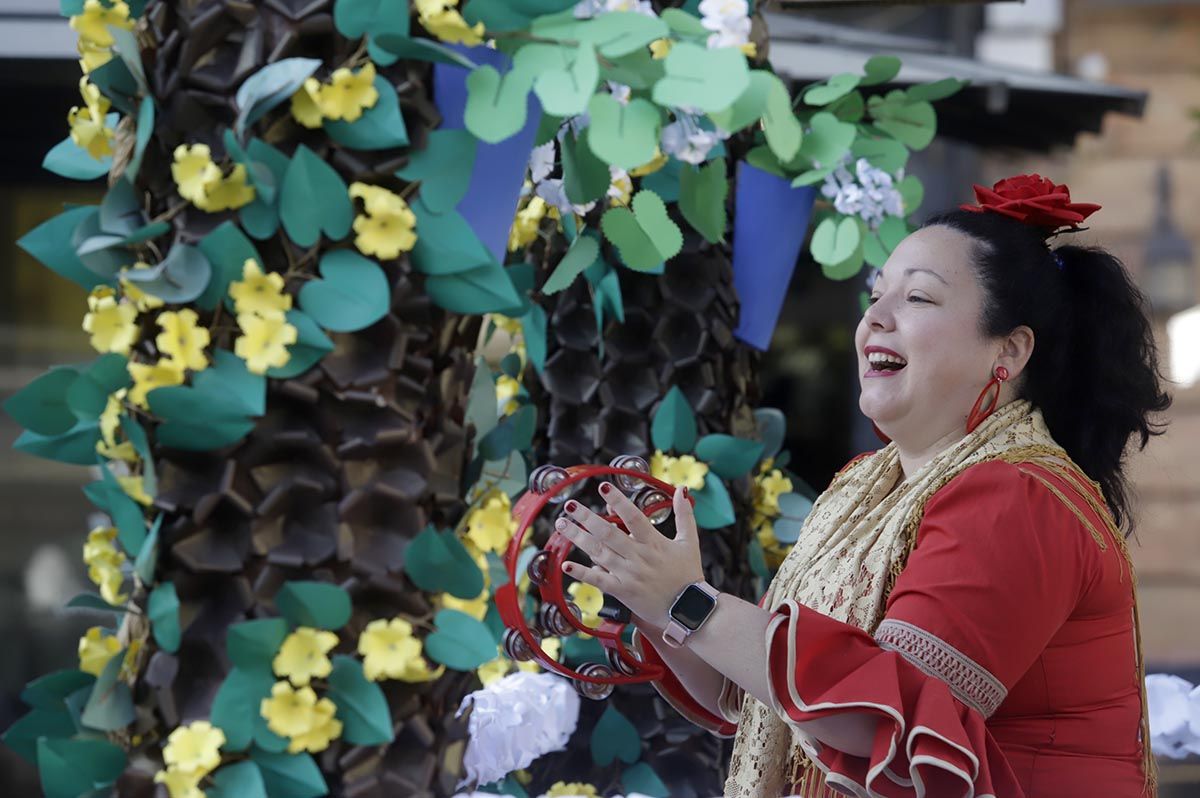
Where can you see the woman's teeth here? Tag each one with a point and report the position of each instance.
(887, 362)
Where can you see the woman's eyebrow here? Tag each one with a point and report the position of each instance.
(914, 269)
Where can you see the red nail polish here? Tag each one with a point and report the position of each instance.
(572, 507)
(605, 488)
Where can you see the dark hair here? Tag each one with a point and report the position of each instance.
(1094, 368)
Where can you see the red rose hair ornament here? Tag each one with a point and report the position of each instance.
(1035, 201)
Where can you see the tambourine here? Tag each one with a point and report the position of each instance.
(558, 615)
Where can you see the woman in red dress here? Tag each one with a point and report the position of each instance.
(958, 616)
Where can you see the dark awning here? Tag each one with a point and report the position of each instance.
(1002, 107)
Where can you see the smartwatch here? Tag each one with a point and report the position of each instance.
(691, 609)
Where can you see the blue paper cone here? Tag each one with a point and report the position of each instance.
(495, 188)
(769, 225)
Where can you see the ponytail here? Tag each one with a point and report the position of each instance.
(1094, 368)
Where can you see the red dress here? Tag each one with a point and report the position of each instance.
(1005, 665)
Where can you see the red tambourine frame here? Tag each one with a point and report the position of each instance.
(629, 669)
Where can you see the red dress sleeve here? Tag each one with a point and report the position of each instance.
(999, 565)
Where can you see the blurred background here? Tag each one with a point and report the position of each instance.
(1099, 94)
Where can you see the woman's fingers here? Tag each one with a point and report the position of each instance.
(605, 532)
(635, 520)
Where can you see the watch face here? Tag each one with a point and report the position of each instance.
(691, 608)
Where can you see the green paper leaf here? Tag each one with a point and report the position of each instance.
(625, 136)
(444, 168)
(485, 289)
(828, 140)
(351, 295)
(481, 405)
(227, 250)
(565, 76)
(619, 33)
(303, 219)
(88, 395)
(702, 196)
(585, 176)
(641, 778)
(684, 24)
(317, 604)
(238, 780)
(534, 323)
(496, 105)
(697, 77)
(67, 159)
(446, 243)
(892, 231)
(846, 269)
(357, 18)
(254, 644)
(460, 642)
(361, 705)
(850, 108)
(645, 236)
(179, 278)
(674, 423)
(873, 251)
(163, 609)
(727, 456)
(438, 562)
(639, 70)
(235, 709)
(268, 87)
(583, 253)
(749, 107)
(421, 49)
(912, 192)
(311, 345)
(614, 737)
(835, 88)
(110, 705)
(937, 90)
(91, 601)
(886, 154)
(50, 243)
(380, 127)
(914, 123)
(42, 406)
(713, 507)
(812, 176)
(835, 239)
(145, 129)
(76, 446)
(783, 130)
(793, 509)
(70, 768)
(880, 69)
(290, 775)
(507, 475)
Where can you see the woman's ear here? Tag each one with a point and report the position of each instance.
(1016, 350)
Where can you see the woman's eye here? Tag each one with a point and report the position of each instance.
(915, 298)
(872, 300)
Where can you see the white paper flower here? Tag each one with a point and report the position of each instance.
(553, 192)
(728, 19)
(541, 162)
(619, 91)
(514, 721)
(868, 193)
(1174, 707)
(688, 142)
(586, 9)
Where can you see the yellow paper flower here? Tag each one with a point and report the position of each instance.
(96, 648)
(590, 600)
(651, 166)
(135, 487)
(552, 646)
(181, 340)
(306, 104)
(148, 376)
(560, 788)
(227, 193)
(507, 389)
(750, 49)
(92, 24)
(684, 470)
(388, 227)
(180, 783)
(110, 582)
(324, 729)
(111, 324)
(525, 226)
(140, 299)
(289, 711)
(92, 56)
(263, 343)
(660, 48)
(195, 747)
(259, 293)
(104, 562)
(449, 26)
(767, 490)
(620, 189)
(347, 93)
(477, 607)
(110, 422)
(493, 670)
(491, 525)
(88, 129)
(390, 651)
(303, 655)
(194, 172)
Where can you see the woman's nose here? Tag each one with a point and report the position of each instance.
(878, 315)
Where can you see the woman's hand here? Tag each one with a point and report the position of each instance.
(644, 570)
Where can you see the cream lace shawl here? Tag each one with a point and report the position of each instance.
(852, 545)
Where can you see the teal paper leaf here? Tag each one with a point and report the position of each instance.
(496, 104)
(50, 243)
(76, 446)
(311, 345)
(625, 136)
(254, 644)
(42, 406)
(727, 456)
(674, 424)
(110, 705)
(583, 253)
(227, 250)
(642, 779)
(713, 506)
(163, 610)
(702, 194)
(71, 768)
(438, 562)
(793, 509)
(67, 159)
(361, 705)
(270, 86)
(317, 604)
(237, 780)
(88, 395)
(444, 168)
(615, 737)
(290, 775)
(179, 278)
(460, 642)
(772, 428)
(304, 220)
(145, 129)
(351, 295)
(235, 709)
(380, 127)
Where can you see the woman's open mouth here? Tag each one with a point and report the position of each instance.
(883, 364)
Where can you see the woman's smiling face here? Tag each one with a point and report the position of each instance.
(922, 356)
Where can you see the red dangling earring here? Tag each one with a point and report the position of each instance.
(977, 416)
